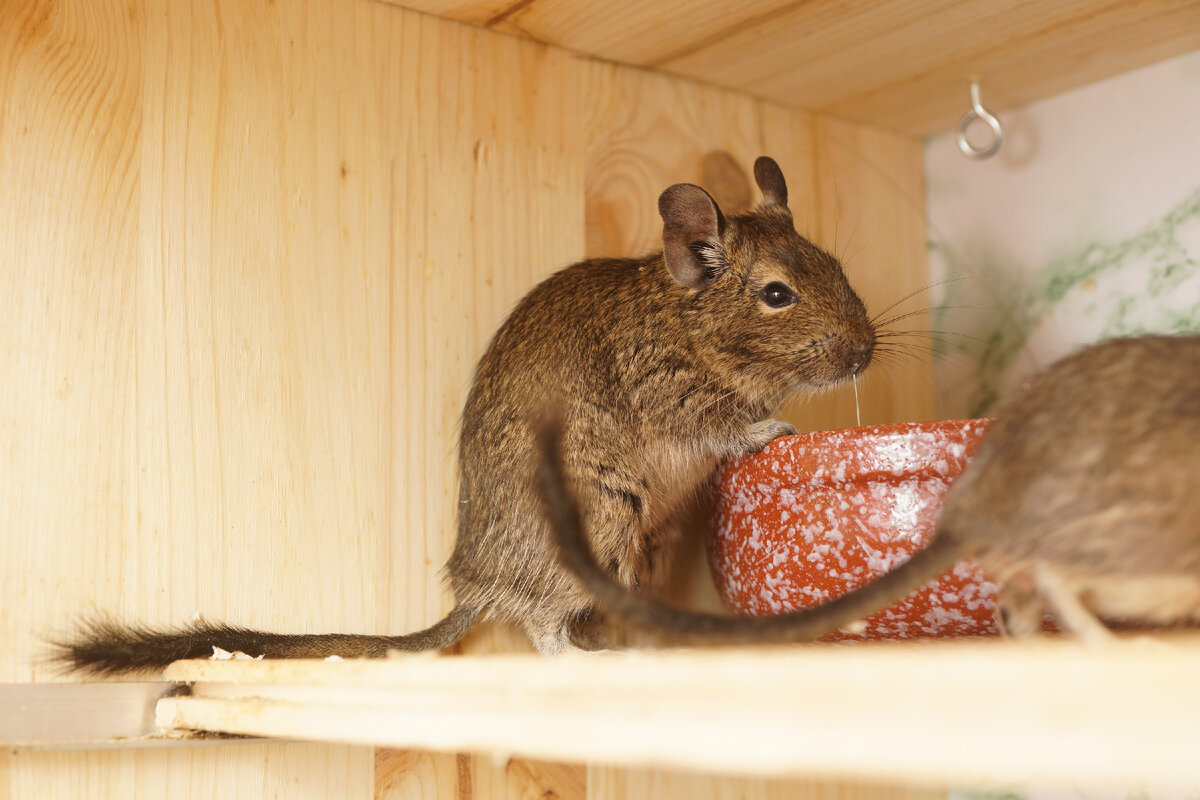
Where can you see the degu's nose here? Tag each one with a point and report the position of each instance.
(858, 356)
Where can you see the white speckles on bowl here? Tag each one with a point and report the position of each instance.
(815, 515)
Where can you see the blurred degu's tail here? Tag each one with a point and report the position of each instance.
(105, 647)
(574, 552)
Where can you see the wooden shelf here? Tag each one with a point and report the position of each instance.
(968, 711)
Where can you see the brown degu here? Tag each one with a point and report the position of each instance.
(656, 369)
(1083, 499)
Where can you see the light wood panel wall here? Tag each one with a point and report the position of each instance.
(284, 771)
(636, 784)
(249, 253)
(401, 775)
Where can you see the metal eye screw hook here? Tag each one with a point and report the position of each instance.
(979, 112)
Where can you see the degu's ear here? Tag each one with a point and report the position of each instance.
(692, 228)
(769, 178)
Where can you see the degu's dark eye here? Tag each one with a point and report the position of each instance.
(777, 295)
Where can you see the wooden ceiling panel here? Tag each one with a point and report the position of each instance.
(648, 33)
(638, 32)
(899, 64)
(1018, 70)
(819, 52)
(474, 12)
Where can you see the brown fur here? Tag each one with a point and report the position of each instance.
(657, 368)
(1087, 490)
(1084, 497)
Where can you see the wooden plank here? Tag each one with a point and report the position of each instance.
(68, 162)
(474, 12)
(410, 774)
(899, 64)
(1020, 67)
(263, 334)
(1048, 711)
(914, 52)
(645, 131)
(636, 784)
(238, 770)
(414, 774)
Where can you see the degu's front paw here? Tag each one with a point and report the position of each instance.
(760, 433)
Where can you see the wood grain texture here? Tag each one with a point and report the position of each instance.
(900, 64)
(645, 131)
(409, 775)
(292, 771)
(417, 775)
(637, 784)
(70, 94)
(1020, 64)
(1046, 712)
(262, 335)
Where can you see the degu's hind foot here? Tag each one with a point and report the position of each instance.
(589, 631)
(1068, 610)
(1019, 608)
(580, 631)
(550, 643)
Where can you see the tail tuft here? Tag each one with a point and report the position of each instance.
(101, 647)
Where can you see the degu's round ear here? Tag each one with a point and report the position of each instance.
(769, 178)
(692, 228)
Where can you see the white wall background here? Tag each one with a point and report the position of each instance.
(1085, 226)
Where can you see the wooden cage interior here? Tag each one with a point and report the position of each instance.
(251, 251)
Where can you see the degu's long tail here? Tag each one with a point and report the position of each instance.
(104, 647)
(576, 555)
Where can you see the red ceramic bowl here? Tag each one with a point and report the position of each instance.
(815, 515)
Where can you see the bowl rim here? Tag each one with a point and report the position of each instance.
(833, 446)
